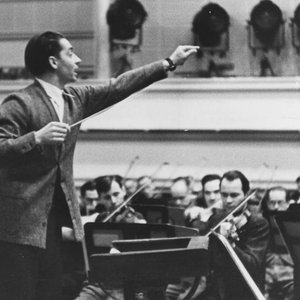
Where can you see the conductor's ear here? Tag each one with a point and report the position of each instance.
(53, 62)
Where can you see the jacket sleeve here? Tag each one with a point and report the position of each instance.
(253, 250)
(15, 139)
(99, 97)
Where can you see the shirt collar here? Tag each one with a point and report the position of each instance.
(51, 90)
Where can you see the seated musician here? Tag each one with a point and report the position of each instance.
(181, 193)
(249, 236)
(294, 197)
(148, 194)
(88, 198)
(206, 205)
(111, 194)
(280, 267)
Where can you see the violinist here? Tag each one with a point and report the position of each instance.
(209, 202)
(88, 198)
(112, 193)
(279, 266)
(249, 236)
(147, 194)
(181, 193)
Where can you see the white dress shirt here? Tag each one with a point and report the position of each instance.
(56, 97)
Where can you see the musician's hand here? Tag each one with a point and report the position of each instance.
(193, 213)
(240, 220)
(226, 229)
(182, 53)
(52, 133)
(89, 219)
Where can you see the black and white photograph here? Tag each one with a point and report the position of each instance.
(149, 150)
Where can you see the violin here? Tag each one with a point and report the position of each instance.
(230, 228)
(235, 218)
(124, 204)
(129, 215)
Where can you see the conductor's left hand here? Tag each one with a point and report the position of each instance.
(182, 53)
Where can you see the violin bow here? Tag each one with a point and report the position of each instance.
(237, 208)
(134, 194)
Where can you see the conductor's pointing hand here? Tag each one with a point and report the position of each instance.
(182, 53)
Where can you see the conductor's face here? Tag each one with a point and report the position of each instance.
(67, 63)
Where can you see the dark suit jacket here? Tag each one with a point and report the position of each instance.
(28, 172)
(226, 282)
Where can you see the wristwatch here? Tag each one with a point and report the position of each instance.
(172, 65)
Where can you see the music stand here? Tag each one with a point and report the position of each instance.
(176, 216)
(161, 214)
(160, 244)
(147, 270)
(154, 214)
(276, 235)
(289, 225)
(240, 268)
(99, 236)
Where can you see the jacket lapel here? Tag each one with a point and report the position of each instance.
(46, 100)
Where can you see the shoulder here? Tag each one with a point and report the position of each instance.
(258, 224)
(24, 94)
(258, 220)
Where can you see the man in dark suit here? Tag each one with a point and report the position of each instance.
(249, 236)
(36, 156)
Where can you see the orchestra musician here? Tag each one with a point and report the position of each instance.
(279, 264)
(111, 194)
(207, 204)
(88, 197)
(248, 234)
(37, 142)
(181, 193)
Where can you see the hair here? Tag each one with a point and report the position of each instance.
(235, 174)
(266, 197)
(276, 188)
(87, 186)
(209, 177)
(103, 183)
(38, 50)
(298, 179)
(141, 178)
(188, 180)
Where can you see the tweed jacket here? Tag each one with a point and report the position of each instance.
(28, 172)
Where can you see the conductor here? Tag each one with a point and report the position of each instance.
(36, 157)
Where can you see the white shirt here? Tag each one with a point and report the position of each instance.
(56, 97)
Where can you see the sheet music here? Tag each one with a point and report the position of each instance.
(249, 280)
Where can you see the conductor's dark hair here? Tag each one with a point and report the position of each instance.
(103, 183)
(209, 177)
(235, 174)
(38, 50)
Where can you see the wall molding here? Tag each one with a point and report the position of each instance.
(21, 36)
(218, 104)
(11, 1)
